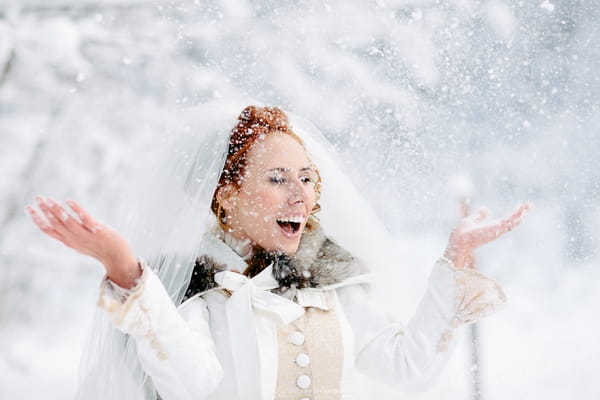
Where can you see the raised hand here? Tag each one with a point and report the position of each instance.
(472, 232)
(78, 230)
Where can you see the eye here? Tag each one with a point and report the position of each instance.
(278, 179)
(309, 177)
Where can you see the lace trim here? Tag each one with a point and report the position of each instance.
(110, 291)
(129, 310)
(477, 296)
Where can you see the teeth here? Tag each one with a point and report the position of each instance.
(299, 219)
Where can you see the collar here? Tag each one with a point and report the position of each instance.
(318, 264)
(242, 247)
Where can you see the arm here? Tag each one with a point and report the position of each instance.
(409, 357)
(178, 355)
(175, 348)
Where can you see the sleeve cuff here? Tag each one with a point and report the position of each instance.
(127, 307)
(476, 296)
(119, 293)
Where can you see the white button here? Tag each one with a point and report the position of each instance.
(305, 398)
(302, 360)
(296, 338)
(303, 382)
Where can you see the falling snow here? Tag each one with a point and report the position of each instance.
(430, 104)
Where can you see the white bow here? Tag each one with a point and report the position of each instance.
(254, 292)
(247, 295)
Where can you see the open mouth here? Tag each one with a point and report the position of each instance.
(290, 225)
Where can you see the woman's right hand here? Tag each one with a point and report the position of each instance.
(88, 236)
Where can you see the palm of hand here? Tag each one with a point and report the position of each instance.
(472, 232)
(76, 229)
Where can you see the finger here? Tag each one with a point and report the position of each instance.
(46, 206)
(60, 221)
(464, 207)
(45, 211)
(42, 223)
(38, 219)
(88, 222)
(523, 210)
(55, 222)
(516, 218)
(70, 224)
(482, 213)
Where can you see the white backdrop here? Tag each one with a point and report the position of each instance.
(425, 100)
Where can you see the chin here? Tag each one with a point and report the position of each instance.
(290, 251)
(284, 243)
(287, 248)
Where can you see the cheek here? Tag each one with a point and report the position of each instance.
(264, 204)
(311, 197)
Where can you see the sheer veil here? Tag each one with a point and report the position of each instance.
(172, 214)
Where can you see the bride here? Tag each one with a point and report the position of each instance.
(266, 297)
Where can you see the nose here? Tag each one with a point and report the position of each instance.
(297, 194)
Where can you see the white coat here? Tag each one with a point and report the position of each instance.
(224, 343)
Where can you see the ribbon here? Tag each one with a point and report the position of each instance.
(249, 295)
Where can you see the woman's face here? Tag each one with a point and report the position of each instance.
(276, 196)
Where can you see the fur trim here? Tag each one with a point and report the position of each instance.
(318, 262)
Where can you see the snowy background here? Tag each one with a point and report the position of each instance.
(423, 100)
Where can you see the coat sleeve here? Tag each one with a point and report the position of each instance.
(174, 347)
(410, 357)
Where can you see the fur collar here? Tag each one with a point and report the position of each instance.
(318, 262)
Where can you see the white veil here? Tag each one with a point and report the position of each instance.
(168, 226)
(346, 216)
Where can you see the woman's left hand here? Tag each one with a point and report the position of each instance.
(472, 232)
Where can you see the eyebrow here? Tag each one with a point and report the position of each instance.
(280, 169)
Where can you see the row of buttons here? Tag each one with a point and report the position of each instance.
(302, 360)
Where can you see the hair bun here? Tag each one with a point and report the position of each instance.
(269, 117)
